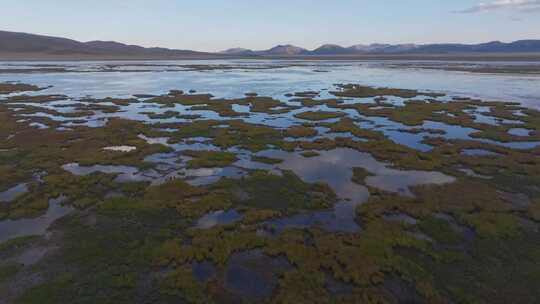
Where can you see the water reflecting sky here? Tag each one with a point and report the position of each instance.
(271, 78)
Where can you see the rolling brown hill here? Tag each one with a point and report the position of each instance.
(15, 45)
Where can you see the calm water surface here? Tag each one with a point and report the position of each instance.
(271, 78)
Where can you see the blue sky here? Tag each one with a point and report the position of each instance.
(212, 25)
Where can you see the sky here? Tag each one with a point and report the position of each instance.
(214, 25)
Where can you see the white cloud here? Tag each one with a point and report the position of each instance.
(522, 5)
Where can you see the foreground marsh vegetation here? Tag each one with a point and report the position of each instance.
(376, 195)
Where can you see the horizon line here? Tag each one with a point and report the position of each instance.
(267, 48)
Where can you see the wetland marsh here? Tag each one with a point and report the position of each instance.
(268, 182)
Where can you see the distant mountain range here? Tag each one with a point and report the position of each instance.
(520, 46)
(15, 45)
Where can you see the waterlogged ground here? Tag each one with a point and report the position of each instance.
(492, 80)
(308, 191)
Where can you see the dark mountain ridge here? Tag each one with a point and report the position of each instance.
(23, 43)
